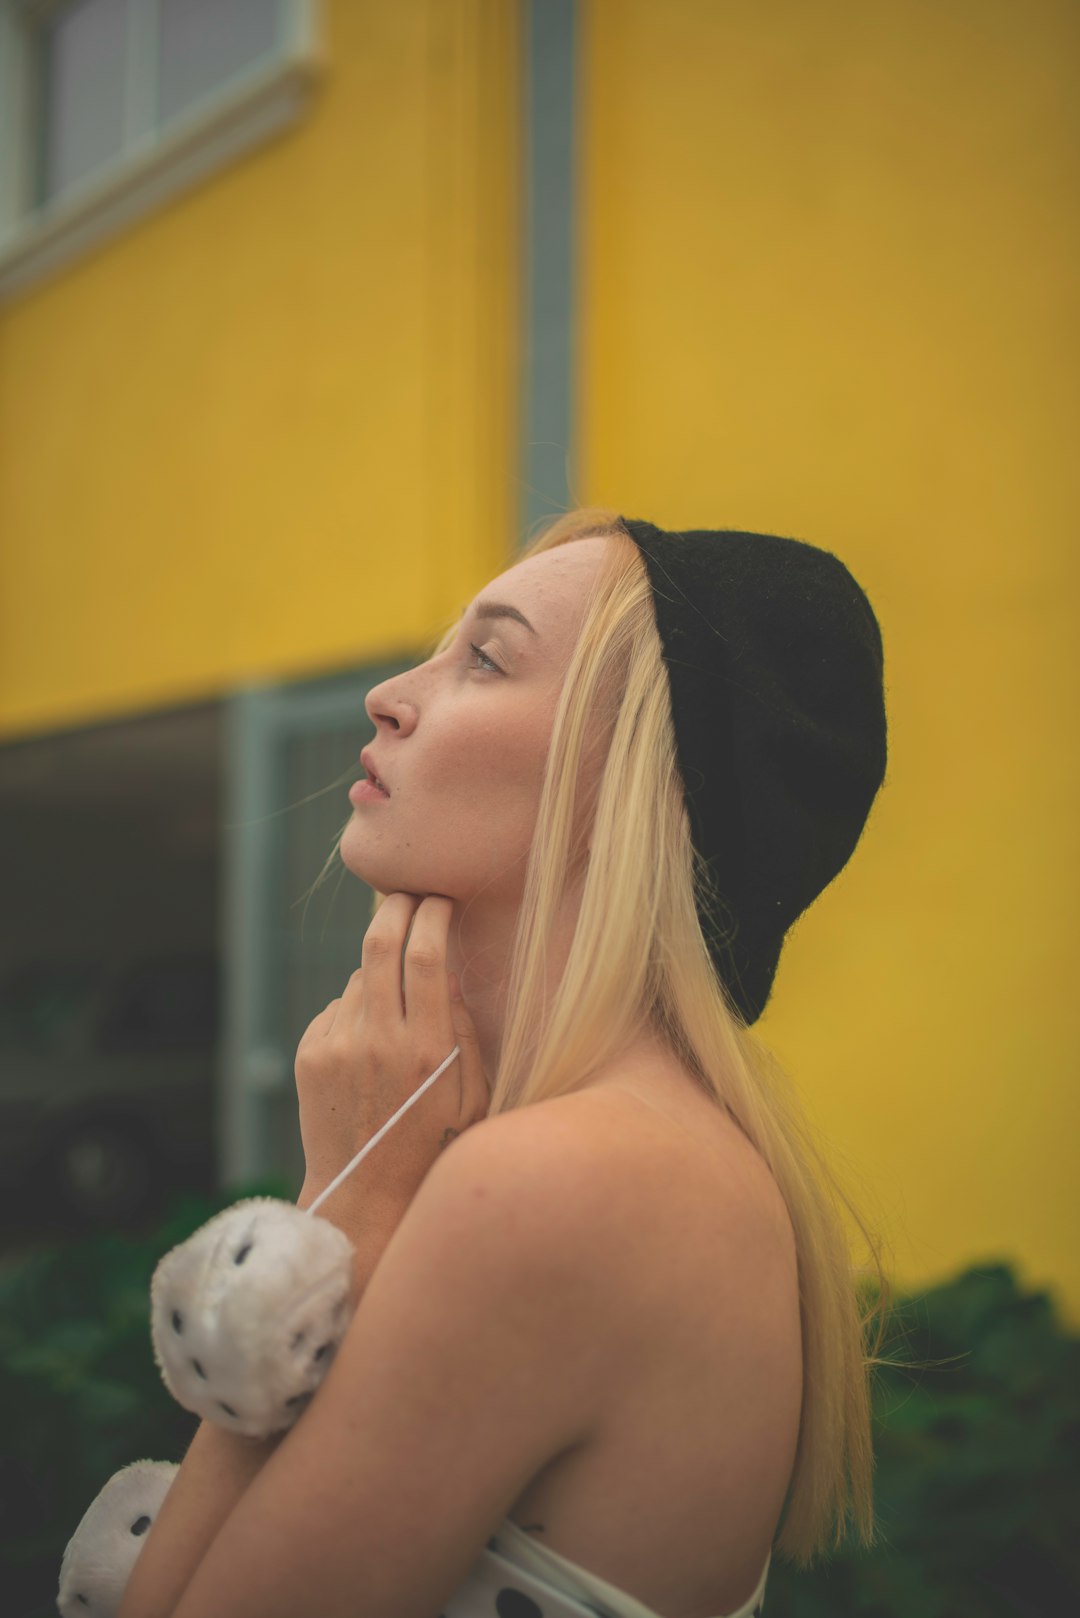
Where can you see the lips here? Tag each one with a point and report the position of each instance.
(372, 774)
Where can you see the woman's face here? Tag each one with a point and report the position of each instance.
(461, 740)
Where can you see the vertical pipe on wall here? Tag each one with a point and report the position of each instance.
(548, 261)
(253, 1066)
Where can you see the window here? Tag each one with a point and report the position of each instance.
(165, 1005)
(109, 107)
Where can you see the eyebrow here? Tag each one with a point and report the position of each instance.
(500, 609)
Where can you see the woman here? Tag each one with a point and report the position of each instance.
(610, 1335)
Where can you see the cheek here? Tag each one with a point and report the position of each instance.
(518, 759)
(503, 776)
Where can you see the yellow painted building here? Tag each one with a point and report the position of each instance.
(828, 253)
(798, 268)
(232, 432)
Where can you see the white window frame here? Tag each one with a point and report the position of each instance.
(36, 239)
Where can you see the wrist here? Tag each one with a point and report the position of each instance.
(364, 1214)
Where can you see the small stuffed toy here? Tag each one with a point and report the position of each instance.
(102, 1551)
(245, 1319)
(247, 1314)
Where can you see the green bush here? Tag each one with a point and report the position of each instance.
(80, 1394)
(977, 1476)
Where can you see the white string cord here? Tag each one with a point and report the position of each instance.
(379, 1133)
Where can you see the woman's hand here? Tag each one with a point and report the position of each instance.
(370, 1050)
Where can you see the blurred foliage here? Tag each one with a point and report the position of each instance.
(80, 1393)
(977, 1436)
(977, 1467)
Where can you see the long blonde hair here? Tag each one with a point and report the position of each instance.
(638, 958)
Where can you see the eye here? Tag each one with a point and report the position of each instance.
(492, 666)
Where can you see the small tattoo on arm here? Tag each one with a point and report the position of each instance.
(448, 1136)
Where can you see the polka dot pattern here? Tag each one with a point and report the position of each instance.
(500, 1586)
(510, 1603)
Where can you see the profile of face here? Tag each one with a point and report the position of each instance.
(461, 740)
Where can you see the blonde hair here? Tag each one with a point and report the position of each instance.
(638, 958)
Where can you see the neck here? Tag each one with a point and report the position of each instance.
(479, 948)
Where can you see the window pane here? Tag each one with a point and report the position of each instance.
(163, 1006)
(48, 1008)
(83, 66)
(202, 43)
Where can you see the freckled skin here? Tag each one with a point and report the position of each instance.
(462, 748)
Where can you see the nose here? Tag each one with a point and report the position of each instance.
(387, 705)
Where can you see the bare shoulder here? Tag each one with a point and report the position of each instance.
(568, 1156)
(616, 1133)
(688, 1321)
(548, 1169)
(681, 1337)
(618, 1182)
(553, 1198)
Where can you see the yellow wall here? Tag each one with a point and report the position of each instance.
(826, 256)
(829, 265)
(270, 430)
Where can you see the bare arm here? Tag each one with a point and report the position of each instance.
(215, 1472)
(455, 1365)
(355, 1066)
(219, 1465)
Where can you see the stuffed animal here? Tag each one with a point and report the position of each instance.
(245, 1319)
(247, 1314)
(102, 1551)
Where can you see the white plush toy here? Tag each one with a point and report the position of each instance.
(245, 1318)
(247, 1314)
(102, 1551)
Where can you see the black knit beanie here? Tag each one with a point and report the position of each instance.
(774, 663)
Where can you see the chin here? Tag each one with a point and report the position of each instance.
(381, 875)
(387, 874)
(456, 873)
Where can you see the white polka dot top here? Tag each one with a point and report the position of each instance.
(517, 1577)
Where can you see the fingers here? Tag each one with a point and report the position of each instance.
(381, 962)
(385, 992)
(427, 991)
